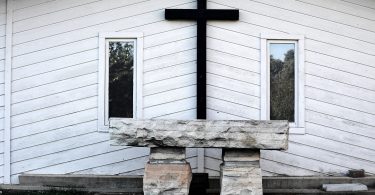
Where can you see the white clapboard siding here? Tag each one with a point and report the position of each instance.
(3, 21)
(54, 81)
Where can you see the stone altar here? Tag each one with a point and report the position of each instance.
(167, 171)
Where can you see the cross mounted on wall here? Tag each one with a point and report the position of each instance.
(201, 15)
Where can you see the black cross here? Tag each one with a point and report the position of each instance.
(201, 15)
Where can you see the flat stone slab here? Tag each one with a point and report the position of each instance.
(348, 187)
(271, 135)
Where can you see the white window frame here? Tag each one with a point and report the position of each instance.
(298, 126)
(103, 70)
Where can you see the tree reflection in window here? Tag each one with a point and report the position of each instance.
(121, 66)
(282, 77)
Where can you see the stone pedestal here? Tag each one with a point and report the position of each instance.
(240, 172)
(167, 172)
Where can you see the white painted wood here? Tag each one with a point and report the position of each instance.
(55, 40)
(7, 93)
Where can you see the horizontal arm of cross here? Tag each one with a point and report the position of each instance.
(193, 14)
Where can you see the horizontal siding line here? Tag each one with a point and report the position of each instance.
(339, 94)
(227, 113)
(232, 90)
(233, 43)
(233, 79)
(354, 38)
(233, 54)
(47, 48)
(51, 130)
(55, 11)
(115, 162)
(130, 171)
(170, 30)
(342, 70)
(299, 167)
(82, 51)
(66, 67)
(54, 117)
(53, 94)
(336, 152)
(87, 133)
(169, 78)
(170, 54)
(340, 82)
(340, 118)
(335, 10)
(233, 102)
(54, 152)
(174, 76)
(90, 27)
(305, 14)
(174, 41)
(33, 5)
(243, 33)
(339, 58)
(80, 17)
(175, 65)
(152, 34)
(55, 81)
(348, 48)
(183, 86)
(351, 132)
(213, 61)
(358, 4)
(353, 144)
(55, 105)
(174, 113)
(69, 160)
(169, 66)
(315, 159)
(170, 101)
(340, 106)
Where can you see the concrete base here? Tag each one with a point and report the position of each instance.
(167, 173)
(167, 179)
(241, 173)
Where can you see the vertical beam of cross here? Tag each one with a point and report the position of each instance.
(201, 15)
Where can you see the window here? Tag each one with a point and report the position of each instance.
(120, 59)
(282, 85)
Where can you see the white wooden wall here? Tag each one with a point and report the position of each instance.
(54, 81)
(2, 65)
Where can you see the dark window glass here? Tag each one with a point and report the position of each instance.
(282, 89)
(121, 66)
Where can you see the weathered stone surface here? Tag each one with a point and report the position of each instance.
(243, 155)
(200, 133)
(348, 187)
(241, 173)
(167, 179)
(167, 155)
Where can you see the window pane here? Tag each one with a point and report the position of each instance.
(282, 61)
(121, 65)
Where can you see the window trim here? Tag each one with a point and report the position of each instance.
(103, 121)
(298, 127)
